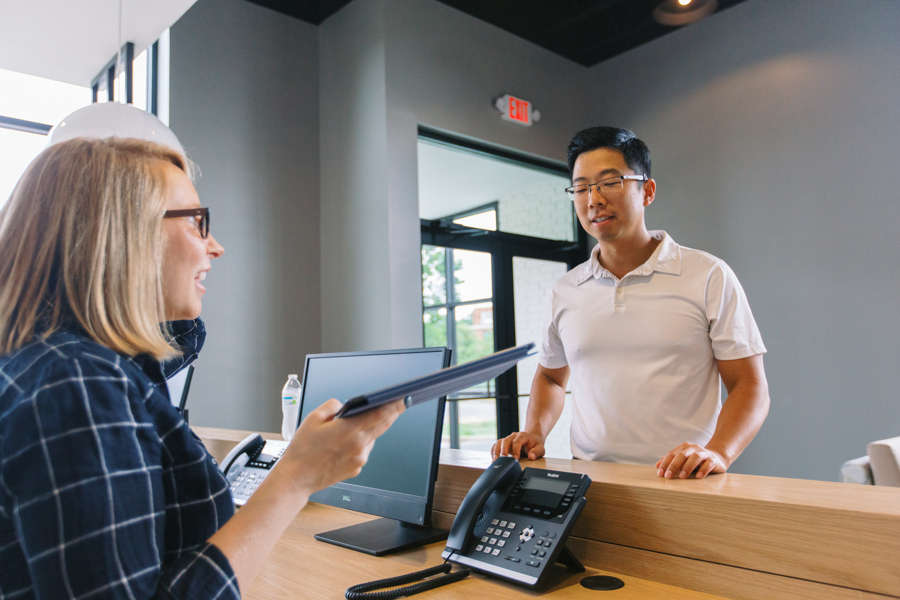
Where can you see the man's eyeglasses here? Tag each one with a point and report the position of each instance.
(200, 215)
(609, 188)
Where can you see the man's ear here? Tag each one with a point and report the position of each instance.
(649, 192)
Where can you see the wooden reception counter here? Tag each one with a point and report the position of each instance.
(733, 536)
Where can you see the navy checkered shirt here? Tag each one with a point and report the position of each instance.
(104, 490)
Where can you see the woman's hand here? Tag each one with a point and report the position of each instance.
(325, 450)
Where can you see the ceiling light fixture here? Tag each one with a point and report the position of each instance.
(683, 12)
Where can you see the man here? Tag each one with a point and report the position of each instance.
(645, 327)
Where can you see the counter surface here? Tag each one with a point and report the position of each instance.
(304, 567)
(731, 535)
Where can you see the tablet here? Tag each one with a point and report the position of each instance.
(440, 383)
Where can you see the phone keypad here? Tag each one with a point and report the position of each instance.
(245, 483)
(537, 544)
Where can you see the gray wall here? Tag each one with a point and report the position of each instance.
(386, 68)
(357, 300)
(244, 104)
(774, 128)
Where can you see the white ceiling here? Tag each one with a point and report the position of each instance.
(71, 40)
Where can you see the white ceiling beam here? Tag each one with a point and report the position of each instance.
(71, 41)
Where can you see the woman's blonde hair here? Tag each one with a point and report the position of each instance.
(81, 243)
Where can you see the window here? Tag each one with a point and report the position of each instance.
(139, 67)
(458, 312)
(487, 190)
(497, 231)
(30, 106)
(533, 281)
(480, 217)
(111, 84)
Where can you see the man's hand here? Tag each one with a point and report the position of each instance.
(520, 444)
(687, 459)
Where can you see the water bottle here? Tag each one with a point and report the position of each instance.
(290, 406)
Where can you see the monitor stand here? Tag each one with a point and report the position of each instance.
(381, 536)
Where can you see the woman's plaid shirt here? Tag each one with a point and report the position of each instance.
(104, 490)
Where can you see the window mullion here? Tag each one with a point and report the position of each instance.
(505, 336)
(452, 405)
(24, 125)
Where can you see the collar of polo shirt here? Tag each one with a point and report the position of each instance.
(666, 258)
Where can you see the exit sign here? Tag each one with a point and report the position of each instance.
(517, 110)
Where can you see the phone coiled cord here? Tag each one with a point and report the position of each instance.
(363, 591)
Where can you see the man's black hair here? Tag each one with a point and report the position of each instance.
(635, 151)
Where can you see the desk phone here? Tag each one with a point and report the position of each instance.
(249, 463)
(513, 523)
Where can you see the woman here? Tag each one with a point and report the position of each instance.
(104, 490)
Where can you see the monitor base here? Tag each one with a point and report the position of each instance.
(381, 536)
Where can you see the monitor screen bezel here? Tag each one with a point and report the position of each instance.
(335, 494)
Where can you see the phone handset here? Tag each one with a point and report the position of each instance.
(502, 474)
(247, 449)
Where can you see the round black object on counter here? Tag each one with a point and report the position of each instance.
(602, 582)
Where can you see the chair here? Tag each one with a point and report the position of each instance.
(881, 465)
(179, 385)
(857, 470)
(884, 458)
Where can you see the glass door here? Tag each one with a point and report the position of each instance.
(483, 211)
(533, 281)
(458, 311)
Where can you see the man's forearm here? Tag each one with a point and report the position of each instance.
(545, 406)
(742, 415)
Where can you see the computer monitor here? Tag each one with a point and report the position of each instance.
(397, 482)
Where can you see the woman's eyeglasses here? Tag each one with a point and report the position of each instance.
(200, 215)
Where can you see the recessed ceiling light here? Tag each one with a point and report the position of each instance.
(682, 12)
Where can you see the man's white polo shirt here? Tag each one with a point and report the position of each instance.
(642, 350)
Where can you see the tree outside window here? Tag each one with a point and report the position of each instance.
(458, 312)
